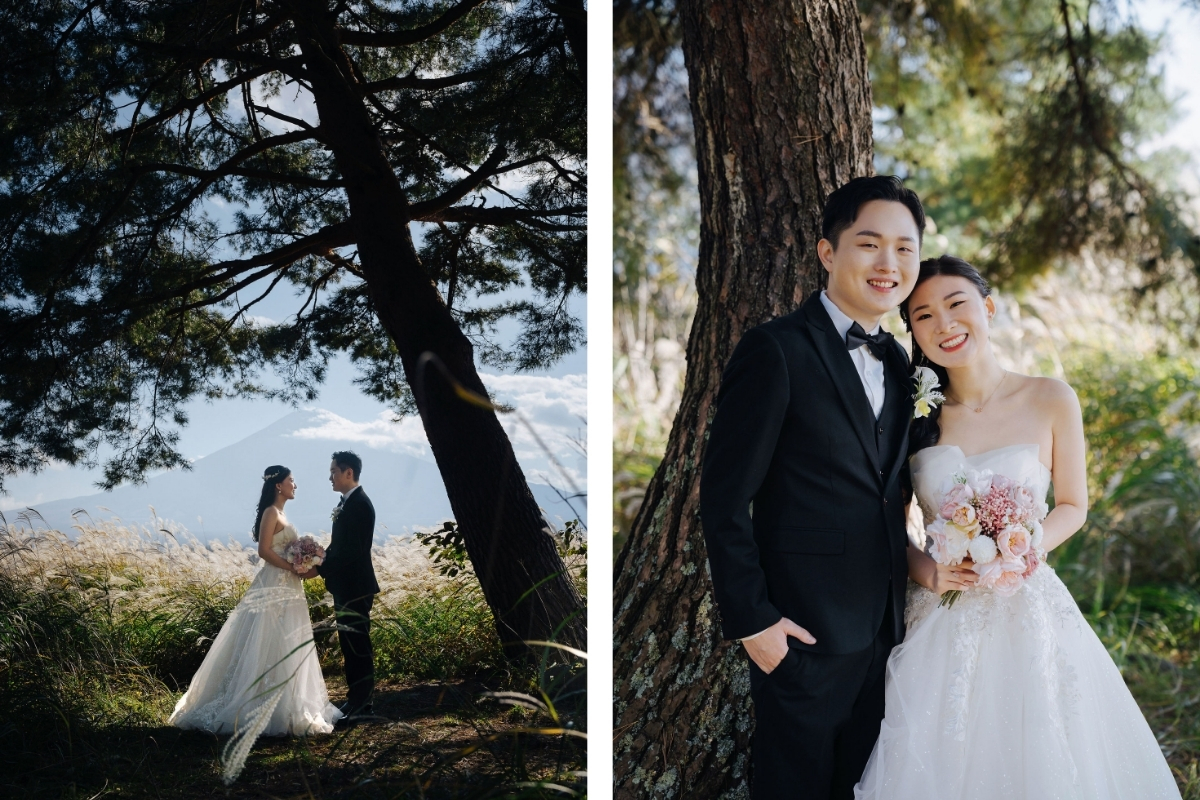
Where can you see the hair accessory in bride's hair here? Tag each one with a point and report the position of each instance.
(270, 476)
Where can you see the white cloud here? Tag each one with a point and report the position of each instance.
(405, 436)
(555, 408)
(9, 507)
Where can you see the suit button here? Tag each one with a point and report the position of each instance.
(881, 429)
(881, 473)
(885, 501)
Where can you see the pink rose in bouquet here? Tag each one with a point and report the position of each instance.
(1009, 580)
(963, 516)
(304, 554)
(1013, 542)
(1034, 561)
(959, 495)
(1024, 499)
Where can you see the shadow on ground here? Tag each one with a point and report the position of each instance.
(414, 748)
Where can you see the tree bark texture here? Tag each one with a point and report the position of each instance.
(781, 103)
(522, 576)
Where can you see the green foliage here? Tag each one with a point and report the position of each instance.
(447, 547)
(444, 633)
(151, 168)
(1141, 418)
(572, 547)
(448, 550)
(1020, 125)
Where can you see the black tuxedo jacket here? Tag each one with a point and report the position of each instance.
(347, 570)
(800, 495)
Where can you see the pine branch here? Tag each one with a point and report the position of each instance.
(463, 188)
(191, 103)
(245, 172)
(507, 215)
(411, 36)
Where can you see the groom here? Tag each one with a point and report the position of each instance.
(801, 504)
(350, 578)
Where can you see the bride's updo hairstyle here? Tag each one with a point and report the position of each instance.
(272, 477)
(926, 431)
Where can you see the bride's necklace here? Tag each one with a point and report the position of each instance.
(989, 397)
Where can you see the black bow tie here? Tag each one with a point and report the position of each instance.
(877, 343)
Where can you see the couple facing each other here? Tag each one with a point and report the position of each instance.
(261, 675)
(864, 685)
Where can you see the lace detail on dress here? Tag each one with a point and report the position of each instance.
(919, 601)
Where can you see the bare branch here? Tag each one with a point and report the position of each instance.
(463, 188)
(228, 167)
(507, 215)
(412, 36)
(245, 172)
(411, 81)
(270, 112)
(331, 236)
(192, 103)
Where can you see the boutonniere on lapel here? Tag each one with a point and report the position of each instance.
(926, 397)
(337, 510)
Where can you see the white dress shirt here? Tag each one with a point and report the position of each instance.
(346, 496)
(870, 368)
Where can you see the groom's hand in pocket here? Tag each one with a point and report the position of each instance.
(768, 648)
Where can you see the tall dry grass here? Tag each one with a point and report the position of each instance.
(100, 633)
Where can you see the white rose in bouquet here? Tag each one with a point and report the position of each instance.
(957, 542)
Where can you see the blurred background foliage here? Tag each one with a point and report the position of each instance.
(1029, 128)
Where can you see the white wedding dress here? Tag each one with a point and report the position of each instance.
(261, 676)
(1006, 697)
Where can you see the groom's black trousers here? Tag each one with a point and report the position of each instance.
(354, 635)
(817, 717)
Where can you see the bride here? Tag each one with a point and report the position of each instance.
(261, 675)
(994, 696)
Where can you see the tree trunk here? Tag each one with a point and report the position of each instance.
(523, 578)
(781, 103)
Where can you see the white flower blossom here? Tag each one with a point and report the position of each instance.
(926, 397)
(983, 549)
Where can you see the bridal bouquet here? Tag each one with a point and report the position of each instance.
(304, 553)
(997, 522)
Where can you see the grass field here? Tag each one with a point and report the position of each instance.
(100, 635)
(1153, 635)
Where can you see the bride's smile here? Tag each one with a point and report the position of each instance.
(287, 488)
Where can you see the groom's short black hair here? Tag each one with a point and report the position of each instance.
(346, 459)
(841, 207)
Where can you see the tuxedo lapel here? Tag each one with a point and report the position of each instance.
(833, 353)
(899, 404)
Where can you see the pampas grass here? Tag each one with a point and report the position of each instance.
(101, 631)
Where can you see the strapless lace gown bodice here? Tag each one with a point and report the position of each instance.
(1006, 697)
(261, 676)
